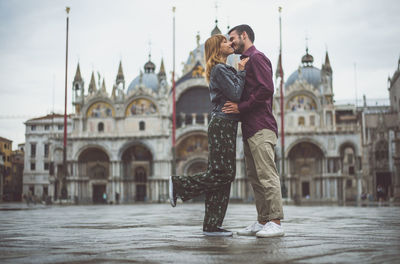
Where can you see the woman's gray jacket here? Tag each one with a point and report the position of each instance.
(226, 84)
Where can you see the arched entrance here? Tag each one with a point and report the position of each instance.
(93, 167)
(305, 167)
(383, 179)
(137, 163)
(192, 153)
(348, 160)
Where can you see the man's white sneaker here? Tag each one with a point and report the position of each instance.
(251, 230)
(271, 229)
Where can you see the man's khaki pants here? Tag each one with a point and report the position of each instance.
(261, 170)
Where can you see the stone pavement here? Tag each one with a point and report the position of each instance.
(157, 233)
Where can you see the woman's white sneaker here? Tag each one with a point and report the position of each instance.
(251, 230)
(271, 229)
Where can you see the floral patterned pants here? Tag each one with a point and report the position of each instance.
(221, 171)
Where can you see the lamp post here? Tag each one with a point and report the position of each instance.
(63, 187)
(173, 171)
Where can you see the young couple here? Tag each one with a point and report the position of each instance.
(245, 95)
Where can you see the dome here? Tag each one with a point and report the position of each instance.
(310, 74)
(149, 80)
(306, 72)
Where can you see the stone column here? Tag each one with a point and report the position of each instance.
(115, 181)
(183, 116)
(205, 119)
(193, 118)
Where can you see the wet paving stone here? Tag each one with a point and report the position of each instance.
(158, 233)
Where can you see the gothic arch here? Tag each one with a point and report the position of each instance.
(308, 140)
(346, 144)
(88, 146)
(134, 98)
(132, 143)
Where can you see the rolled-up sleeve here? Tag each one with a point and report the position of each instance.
(265, 88)
(230, 82)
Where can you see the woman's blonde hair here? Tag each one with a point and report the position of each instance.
(212, 50)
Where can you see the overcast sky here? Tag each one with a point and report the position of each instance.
(361, 36)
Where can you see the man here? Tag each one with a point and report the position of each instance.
(259, 131)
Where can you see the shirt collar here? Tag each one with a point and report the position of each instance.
(248, 52)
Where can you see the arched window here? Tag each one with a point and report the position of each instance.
(142, 125)
(301, 121)
(100, 127)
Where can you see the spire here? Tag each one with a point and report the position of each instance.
(92, 84)
(120, 74)
(162, 68)
(114, 93)
(398, 64)
(103, 87)
(78, 77)
(327, 66)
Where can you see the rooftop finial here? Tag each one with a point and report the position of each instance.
(306, 42)
(149, 50)
(216, 12)
(198, 38)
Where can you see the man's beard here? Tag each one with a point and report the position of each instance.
(239, 48)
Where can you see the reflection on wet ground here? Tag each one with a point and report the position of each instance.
(158, 233)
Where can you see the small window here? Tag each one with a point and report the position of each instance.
(8, 158)
(60, 127)
(33, 149)
(46, 150)
(301, 121)
(33, 128)
(46, 166)
(5, 146)
(100, 127)
(46, 127)
(33, 166)
(142, 125)
(351, 170)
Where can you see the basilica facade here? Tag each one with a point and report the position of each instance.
(119, 143)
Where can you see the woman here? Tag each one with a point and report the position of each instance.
(225, 84)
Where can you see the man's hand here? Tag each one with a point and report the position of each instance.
(242, 63)
(230, 108)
